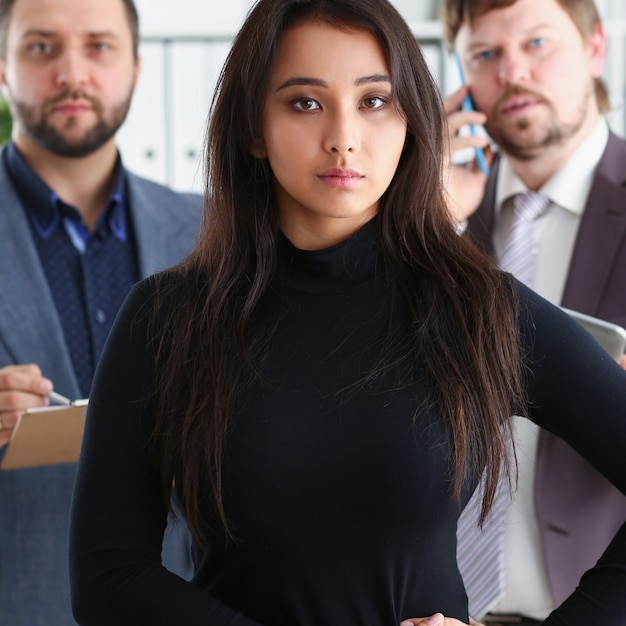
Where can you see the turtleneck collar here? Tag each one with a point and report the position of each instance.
(345, 266)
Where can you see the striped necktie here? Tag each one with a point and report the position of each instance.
(480, 554)
(519, 253)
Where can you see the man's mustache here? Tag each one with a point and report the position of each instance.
(72, 94)
(516, 90)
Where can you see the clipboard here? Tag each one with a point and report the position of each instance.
(48, 435)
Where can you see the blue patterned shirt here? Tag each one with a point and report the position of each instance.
(89, 273)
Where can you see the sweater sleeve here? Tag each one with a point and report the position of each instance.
(118, 518)
(577, 392)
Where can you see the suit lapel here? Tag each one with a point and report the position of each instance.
(601, 232)
(481, 222)
(30, 329)
(162, 236)
(563, 479)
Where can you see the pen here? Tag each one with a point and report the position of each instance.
(468, 105)
(59, 399)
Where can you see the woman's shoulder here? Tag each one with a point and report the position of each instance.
(160, 285)
(151, 297)
(532, 307)
(548, 330)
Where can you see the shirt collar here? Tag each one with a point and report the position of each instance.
(569, 186)
(47, 211)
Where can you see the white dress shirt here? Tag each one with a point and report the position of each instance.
(527, 588)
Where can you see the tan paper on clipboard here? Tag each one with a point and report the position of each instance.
(46, 436)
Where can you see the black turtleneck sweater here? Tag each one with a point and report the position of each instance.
(337, 489)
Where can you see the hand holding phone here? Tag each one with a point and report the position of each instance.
(468, 105)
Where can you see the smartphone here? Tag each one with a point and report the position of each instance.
(611, 337)
(468, 105)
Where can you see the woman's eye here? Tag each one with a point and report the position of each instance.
(306, 104)
(537, 42)
(374, 102)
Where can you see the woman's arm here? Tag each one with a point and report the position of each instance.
(118, 517)
(578, 392)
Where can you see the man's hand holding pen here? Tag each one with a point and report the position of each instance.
(22, 387)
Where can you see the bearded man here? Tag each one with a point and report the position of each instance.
(76, 231)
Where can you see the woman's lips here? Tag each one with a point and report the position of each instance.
(340, 177)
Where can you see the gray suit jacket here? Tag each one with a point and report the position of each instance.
(577, 509)
(34, 503)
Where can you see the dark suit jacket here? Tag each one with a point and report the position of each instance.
(35, 503)
(577, 509)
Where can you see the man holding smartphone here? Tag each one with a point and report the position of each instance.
(533, 70)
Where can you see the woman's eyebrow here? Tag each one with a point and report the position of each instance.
(318, 82)
(373, 78)
(302, 80)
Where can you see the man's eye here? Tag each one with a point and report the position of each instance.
(484, 55)
(41, 48)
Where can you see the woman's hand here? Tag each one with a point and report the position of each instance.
(437, 620)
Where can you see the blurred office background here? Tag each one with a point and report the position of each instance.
(183, 46)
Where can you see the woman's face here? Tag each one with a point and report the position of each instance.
(331, 132)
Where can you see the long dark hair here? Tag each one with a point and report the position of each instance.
(216, 323)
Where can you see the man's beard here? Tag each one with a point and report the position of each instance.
(553, 131)
(57, 141)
